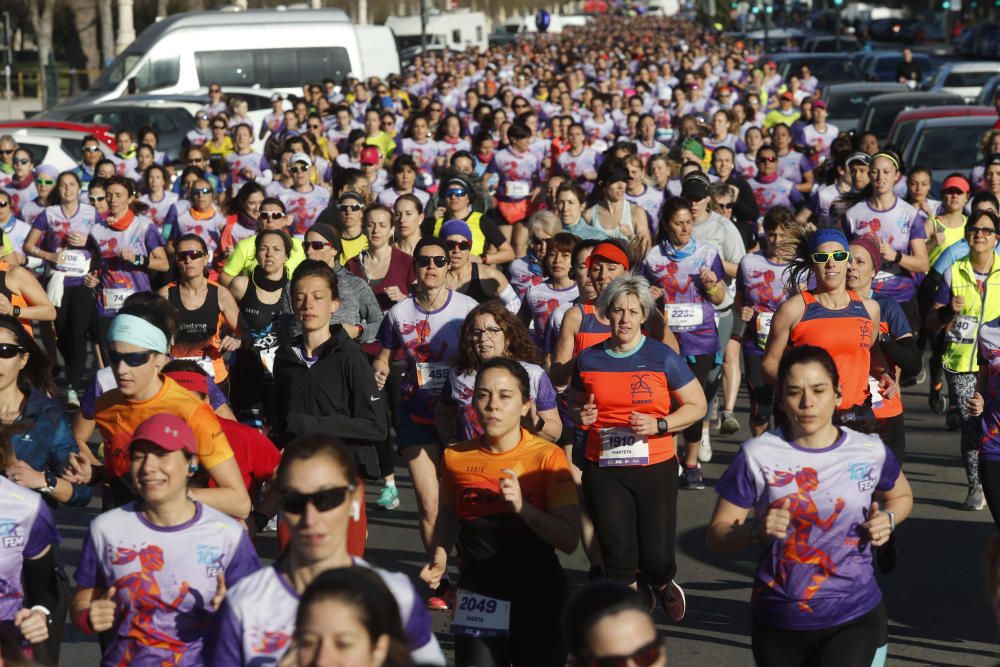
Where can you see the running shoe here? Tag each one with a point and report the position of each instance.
(692, 480)
(953, 420)
(729, 424)
(672, 600)
(705, 447)
(937, 400)
(975, 501)
(72, 400)
(443, 598)
(389, 498)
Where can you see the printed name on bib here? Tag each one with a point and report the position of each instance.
(622, 447)
(480, 616)
(683, 316)
(75, 263)
(431, 375)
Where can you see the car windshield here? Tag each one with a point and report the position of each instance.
(881, 118)
(968, 79)
(838, 70)
(947, 148)
(847, 105)
(116, 71)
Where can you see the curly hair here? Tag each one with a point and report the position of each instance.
(520, 347)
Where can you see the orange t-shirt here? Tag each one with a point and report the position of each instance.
(118, 418)
(470, 477)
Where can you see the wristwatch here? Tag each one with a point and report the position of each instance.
(892, 520)
(50, 482)
(661, 426)
(16, 311)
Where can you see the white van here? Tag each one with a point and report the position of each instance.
(457, 30)
(266, 48)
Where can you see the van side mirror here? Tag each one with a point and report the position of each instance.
(131, 86)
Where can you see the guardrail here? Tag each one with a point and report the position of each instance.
(70, 80)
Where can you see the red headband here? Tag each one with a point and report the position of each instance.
(190, 380)
(611, 252)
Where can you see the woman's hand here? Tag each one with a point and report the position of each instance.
(23, 474)
(434, 571)
(878, 527)
(975, 404)
(230, 344)
(957, 302)
(91, 280)
(644, 425)
(6, 307)
(78, 469)
(394, 293)
(588, 413)
(887, 251)
(746, 313)
(777, 520)
(708, 279)
(510, 488)
(127, 254)
(34, 625)
(381, 375)
(102, 611)
(76, 239)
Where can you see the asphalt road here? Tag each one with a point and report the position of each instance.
(939, 612)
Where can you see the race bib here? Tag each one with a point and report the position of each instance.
(431, 375)
(874, 391)
(480, 616)
(763, 327)
(882, 276)
(114, 299)
(204, 363)
(518, 189)
(622, 447)
(683, 316)
(963, 329)
(267, 358)
(75, 263)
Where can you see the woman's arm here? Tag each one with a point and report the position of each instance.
(641, 223)
(158, 260)
(657, 328)
(31, 247)
(728, 531)
(229, 495)
(785, 318)
(917, 261)
(551, 425)
(692, 406)
(559, 526)
(442, 542)
(231, 316)
(238, 286)
(899, 501)
(22, 281)
(562, 360)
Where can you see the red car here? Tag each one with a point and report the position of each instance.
(906, 121)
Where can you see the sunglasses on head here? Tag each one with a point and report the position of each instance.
(201, 191)
(644, 656)
(350, 207)
(457, 192)
(190, 255)
(11, 350)
(458, 245)
(824, 257)
(44, 181)
(88, 149)
(131, 359)
(270, 215)
(96, 198)
(769, 158)
(323, 501)
(317, 245)
(423, 261)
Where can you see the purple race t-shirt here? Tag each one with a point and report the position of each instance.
(121, 279)
(26, 529)
(896, 226)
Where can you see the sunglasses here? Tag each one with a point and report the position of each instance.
(214, 90)
(423, 261)
(323, 501)
(344, 208)
(190, 255)
(317, 245)
(44, 181)
(131, 359)
(201, 191)
(297, 170)
(824, 257)
(90, 149)
(202, 117)
(10, 350)
(6, 152)
(767, 159)
(458, 245)
(644, 656)
(270, 215)
(218, 127)
(985, 231)
(455, 193)
(725, 206)
(4, 204)
(435, 108)
(97, 198)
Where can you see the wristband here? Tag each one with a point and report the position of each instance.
(899, 256)
(485, 258)
(83, 622)
(711, 292)
(142, 261)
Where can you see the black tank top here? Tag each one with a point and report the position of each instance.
(475, 287)
(260, 317)
(198, 326)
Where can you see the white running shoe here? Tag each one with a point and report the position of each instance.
(705, 447)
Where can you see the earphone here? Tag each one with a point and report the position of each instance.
(192, 467)
(356, 510)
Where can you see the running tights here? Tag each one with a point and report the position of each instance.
(634, 510)
(853, 644)
(989, 477)
(962, 387)
(73, 320)
(702, 366)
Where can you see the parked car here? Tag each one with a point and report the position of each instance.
(943, 145)
(845, 102)
(964, 78)
(57, 143)
(888, 30)
(922, 32)
(829, 68)
(171, 122)
(881, 111)
(824, 43)
(989, 91)
(881, 66)
(905, 123)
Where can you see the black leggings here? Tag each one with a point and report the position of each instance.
(73, 319)
(701, 365)
(634, 510)
(761, 393)
(892, 430)
(989, 477)
(852, 644)
(383, 449)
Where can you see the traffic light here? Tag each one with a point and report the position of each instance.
(946, 5)
(734, 5)
(840, 3)
(756, 10)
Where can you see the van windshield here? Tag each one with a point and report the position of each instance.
(115, 73)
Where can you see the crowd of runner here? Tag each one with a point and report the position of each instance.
(538, 277)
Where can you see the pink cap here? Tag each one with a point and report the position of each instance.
(370, 155)
(167, 431)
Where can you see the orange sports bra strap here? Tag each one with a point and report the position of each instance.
(587, 308)
(807, 296)
(854, 295)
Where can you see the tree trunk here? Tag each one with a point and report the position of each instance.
(85, 23)
(40, 12)
(162, 8)
(107, 31)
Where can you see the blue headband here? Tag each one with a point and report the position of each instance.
(828, 235)
(137, 331)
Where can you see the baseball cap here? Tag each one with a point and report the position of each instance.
(957, 182)
(863, 158)
(819, 104)
(455, 228)
(787, 96)
(277, 96)
(992, 158)
(167, 431)
(370, 155)
(350, 194)
(694, 187)
(301, 158)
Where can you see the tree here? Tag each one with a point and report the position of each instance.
(41, 13)
(107, 31)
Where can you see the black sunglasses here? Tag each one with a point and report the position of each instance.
(458, 245)
(201, 191)
(189, 255)
(350, 207)
(131, 359)
(423, 261)
(6, 152)
(22, 160)
(769, 158)
(270, 215)
(644, 656)
(457, 192)
(4, 204)
(725, 206)
(317, 245)
(297, 170)
(10, 350)
(323, 501)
